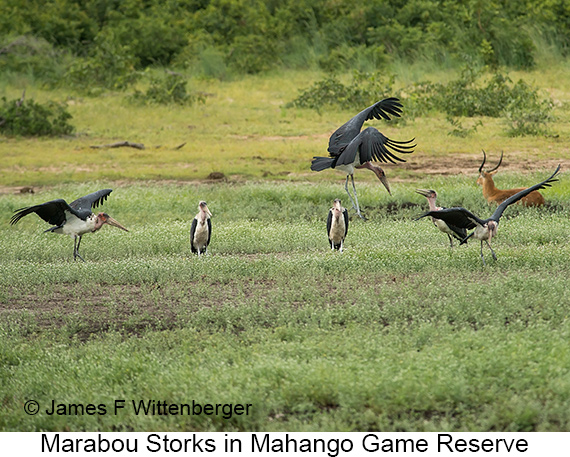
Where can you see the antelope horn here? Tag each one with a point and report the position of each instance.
(484, 159)
(499, 164)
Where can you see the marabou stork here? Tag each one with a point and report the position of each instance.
(449, 229)
(485, 229)
(350, 148)
(74, 219)
(201, 230)
(337, 225)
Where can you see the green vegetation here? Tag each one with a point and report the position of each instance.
(22, 117)
(221, 38)
(397, 333)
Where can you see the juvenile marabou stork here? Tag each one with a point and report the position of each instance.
(350, 148)
(201, 230)
(485, 229)
(337, 225)
(74, 219)
(449, 229)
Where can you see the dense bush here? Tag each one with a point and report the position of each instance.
(255, 35)
(109, 66)
(27, 118)
(29, 55)
(167, 89)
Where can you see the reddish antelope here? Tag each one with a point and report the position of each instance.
(498, 196)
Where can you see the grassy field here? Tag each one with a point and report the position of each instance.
(399, 332)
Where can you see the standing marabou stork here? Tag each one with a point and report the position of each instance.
(201, 230)
(350, 148)
(449, 229)
(337, 225)
(75, 219)
(486, 229)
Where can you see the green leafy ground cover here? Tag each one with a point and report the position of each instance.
(397, 333)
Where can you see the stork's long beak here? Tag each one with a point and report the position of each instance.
(384, 180)
(114, 223)
(424, 192)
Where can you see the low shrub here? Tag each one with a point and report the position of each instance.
(27, 118)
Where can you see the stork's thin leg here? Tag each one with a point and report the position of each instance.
(76, 248)
(356, 198)
(341, 245)
(349, 196)
(482, 258)
(492, 252)
(450, 240)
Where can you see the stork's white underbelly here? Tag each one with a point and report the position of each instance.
(336, 233)
(483, 233)
(441, 225)
(76, 227)
(200, 240)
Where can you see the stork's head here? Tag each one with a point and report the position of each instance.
(485, 175)
(379, 173)
(430, 194)
(204, 211)
(104, 218)
(492, 226)
(337, 207)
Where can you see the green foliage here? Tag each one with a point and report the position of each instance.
(110, 66)
(28, 118)
(363, 90)
(256, 35)
(167, 89)
(31, 56)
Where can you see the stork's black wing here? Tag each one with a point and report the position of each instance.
(209, 231)
(514, 198)
(52, 212)
(374, 146)
(347, 132)
(92, 200)
(459, 217)
(459, 233)
(192, 232)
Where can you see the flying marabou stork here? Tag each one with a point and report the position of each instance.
(485, 229)
(450, 230)
(74, 219)
(201, 230)
(350, 148)
(337, 225)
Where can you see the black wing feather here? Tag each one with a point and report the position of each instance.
(92, 200)
(329, 222)
(52, 212)
(192, 231)
(209, 231)
(516, 197)
(373, 146)
(459, 217)
(348, 131)
(345, 214)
